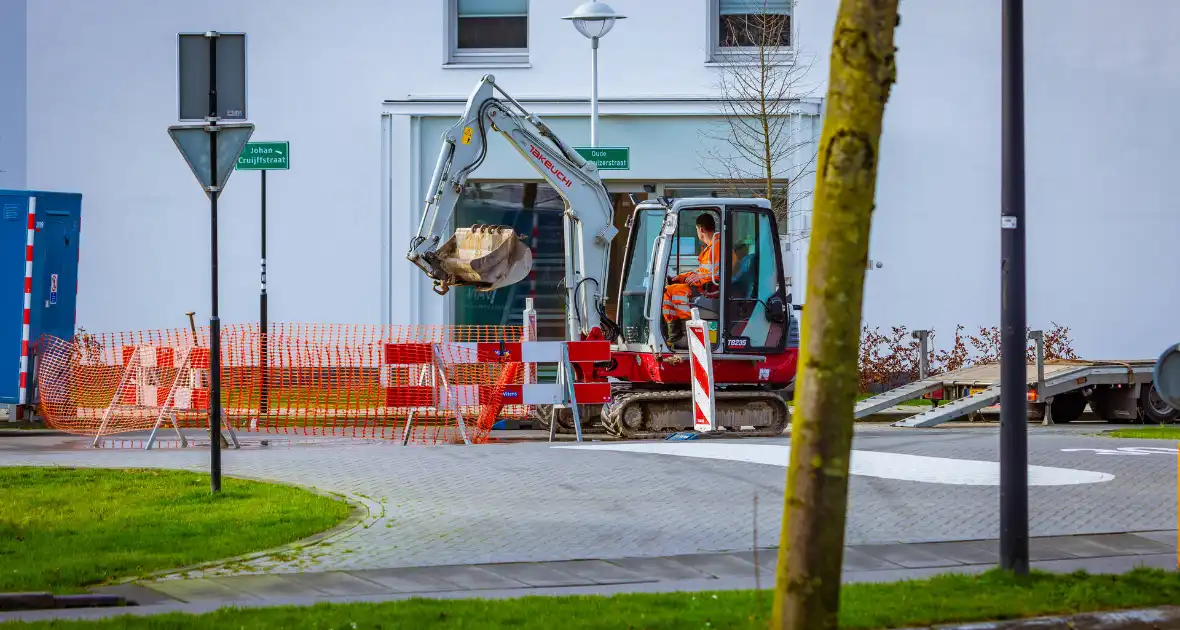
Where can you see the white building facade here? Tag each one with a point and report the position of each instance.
(363, 89)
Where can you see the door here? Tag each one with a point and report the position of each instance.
(56, 255)
(756, 309)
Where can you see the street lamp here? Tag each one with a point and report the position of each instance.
(594, 20)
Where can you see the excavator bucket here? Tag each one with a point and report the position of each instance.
(485, 256)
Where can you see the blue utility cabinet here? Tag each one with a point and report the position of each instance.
(49, 292)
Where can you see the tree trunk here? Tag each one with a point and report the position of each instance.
(807, 589)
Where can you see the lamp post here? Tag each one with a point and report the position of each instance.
(1013, 315)
(594, 20)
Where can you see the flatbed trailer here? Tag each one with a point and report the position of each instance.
(1058, 392)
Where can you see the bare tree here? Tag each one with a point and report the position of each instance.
(757, 147)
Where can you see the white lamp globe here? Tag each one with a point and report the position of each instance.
(594, 19)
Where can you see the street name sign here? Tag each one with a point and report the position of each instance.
(607, 158)
(265, 156)
(193, 143)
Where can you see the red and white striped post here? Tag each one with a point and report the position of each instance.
(529, 321)
(24, 337)
(704, 416)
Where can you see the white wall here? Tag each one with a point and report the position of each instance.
(1102, 83)
(12, 94)
(102, 92)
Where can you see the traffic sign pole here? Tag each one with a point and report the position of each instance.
(264, 364)
(214, 320)
(264, 156)
(200, 145)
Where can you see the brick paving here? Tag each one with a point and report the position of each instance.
(530, 502)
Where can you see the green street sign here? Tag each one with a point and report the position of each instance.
(607, 158)
(265, 156)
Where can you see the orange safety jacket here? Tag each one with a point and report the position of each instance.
(710, 265)
(677, 295)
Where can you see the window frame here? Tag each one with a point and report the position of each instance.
(716, 54)
(454, 57)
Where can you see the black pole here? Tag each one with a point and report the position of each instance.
(262, 322)
(1013, 316)
(214, 321)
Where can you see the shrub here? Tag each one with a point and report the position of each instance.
(889, 359)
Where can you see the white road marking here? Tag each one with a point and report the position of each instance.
(1126, 450)
(962, 472)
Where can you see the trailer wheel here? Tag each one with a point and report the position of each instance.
(1116, 406)
(1153, 408)
(1067, 407)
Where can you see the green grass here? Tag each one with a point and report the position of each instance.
(917, 402)
(62, 529)
(1146, 433)
(942, 599)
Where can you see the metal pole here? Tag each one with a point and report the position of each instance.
(594, 93)
(263, 326)
(923, 353)
(214, 321)
(1013, 316)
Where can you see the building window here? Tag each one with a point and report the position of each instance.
(489, 32)
(748, 26)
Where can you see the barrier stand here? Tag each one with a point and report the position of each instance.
(110, 411)
(437, 371)
(565, 378)
(570, 394)
(138, 388)
(410, 417)
(440, 368)
(167, 410)
(704, 416)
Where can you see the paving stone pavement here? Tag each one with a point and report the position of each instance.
(1110, 553)
(530, 502)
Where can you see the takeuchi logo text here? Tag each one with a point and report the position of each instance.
(547, 163)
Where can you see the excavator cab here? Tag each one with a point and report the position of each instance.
(744, 302)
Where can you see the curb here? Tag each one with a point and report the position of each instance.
(365, 512)
(49, 601)
(1134, 619)
(11, 432)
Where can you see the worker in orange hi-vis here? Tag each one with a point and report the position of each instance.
(703, 280)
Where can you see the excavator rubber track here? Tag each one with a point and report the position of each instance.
(638, 415)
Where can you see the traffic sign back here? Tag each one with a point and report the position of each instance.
(193, 143)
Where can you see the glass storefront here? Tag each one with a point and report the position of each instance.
(533, 210)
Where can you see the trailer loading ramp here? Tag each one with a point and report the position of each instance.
(1047, 380)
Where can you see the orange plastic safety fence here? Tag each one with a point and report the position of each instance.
(311, 379)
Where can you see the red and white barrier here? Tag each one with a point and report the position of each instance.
(148, 384)
(704, 416)
(428, 362)
(160, 381)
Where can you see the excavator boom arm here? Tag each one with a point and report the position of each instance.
(490, 257)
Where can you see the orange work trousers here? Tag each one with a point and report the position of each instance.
(676, 297)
